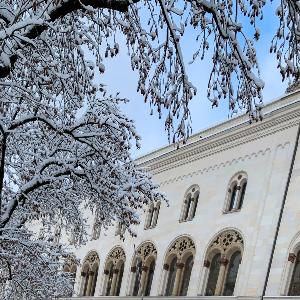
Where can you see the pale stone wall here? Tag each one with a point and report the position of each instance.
(264, 152)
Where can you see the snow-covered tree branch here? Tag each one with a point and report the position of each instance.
(64, 142)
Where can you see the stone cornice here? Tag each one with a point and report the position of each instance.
(279, 115)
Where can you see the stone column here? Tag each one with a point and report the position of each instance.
(131, 283)
(237, 198)
(143, 280)
(114, 282)
(82, 283)
(192, 207)
(90, 283)
(179, 269)
(105, 280)
(221, 278)
(204, 278)
(162, 288)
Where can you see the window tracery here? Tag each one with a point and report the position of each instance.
(222, 263)
(190, 204)
(178, 266)
(236, 192)
(143, 269)
(89, 274)
(114, 269)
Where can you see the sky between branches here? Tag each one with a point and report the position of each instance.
(119, 78)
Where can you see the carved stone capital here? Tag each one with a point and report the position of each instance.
(292, 257)
(83, 274)
(133, 269)
(115, 271)
(145, 268)
(91, 273)
(179, 265)
(166, 267)
(206, 264)
(224, 261)
(106, 272)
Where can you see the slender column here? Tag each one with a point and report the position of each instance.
(192, 207)
(90, 283)
(143, 280)
(204, 278)
(179, 268)
(114, 282)
(162, 290)
(105, 281)
(237, 197)
(221, 278)
(82, 283)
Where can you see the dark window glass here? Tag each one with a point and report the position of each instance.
(137, 279)
(232, 272)
(171, 277)
(186, 276)
(243, 191)
(232, 197)
(295, 282)
(150, 278)
(187, 207)
(110, 276)
(120, 276)
(94, 282)
(195, 205)
(213, 275)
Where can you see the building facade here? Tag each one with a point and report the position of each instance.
(215, 237)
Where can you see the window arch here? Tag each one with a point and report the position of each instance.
(152, 215)
(294, 286)
(236, 192)
(178, 266)
(190, 203)
(89, 274)
(142, 269)
(113, 272)
(222, 263)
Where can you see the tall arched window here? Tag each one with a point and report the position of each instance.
(190, 203)
(236, 192)
(152, 215)
(150, 278)
(114, 269)
(89, 274)
(222, 263)
(294, 289)
(171, 277)
(188, 266)
(137, 277)
(232, 272)
(70, 267)
(213, 275)
(143, 269)
(178, 266)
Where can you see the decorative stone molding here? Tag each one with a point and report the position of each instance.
(179, 265)
(145, 250)
(145, 268)
(115, 255)
(292, 257)
(224, 261)
(92, 258)
(91, 273)
(180, 246)
(115, 271)
(226, 240)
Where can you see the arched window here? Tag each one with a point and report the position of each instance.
(178, 266)
(143, 269)
(232, 272)
(152, 215)
(70, 268)
(89, 274)
(213, 275)
(171, 277)
(236, 193)
(188, 266)
(114, 269)
(150, 278)
(222, 263)
(137, 278)
(190, 203)
(294, 289)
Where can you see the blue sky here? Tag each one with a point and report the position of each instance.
(119, 77)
